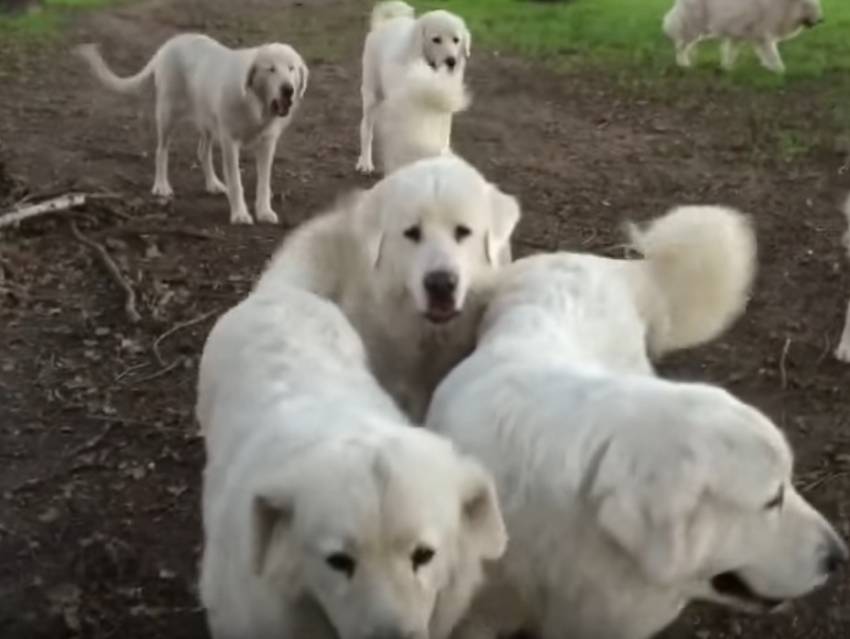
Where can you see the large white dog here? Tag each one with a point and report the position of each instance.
(405, 261)
(626, 495)
(397, 39)
(761, 23)
(236, 97)
(326, 514)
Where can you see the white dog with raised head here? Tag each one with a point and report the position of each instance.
(326, 514)
(626, 495)
(761, 23)
(397, 39)
(408, 262)
(236, 97)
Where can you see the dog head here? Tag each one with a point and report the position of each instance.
(443, 39)
(697, 489)
(376, 534)
(810, 13)
(278, 78)
(432, 230)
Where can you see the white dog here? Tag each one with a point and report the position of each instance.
(326, 515)
(415, 119)
(626, 495)
(843, 351)
(762, 23)
(396, 40)
(237, 97)
(405, 261)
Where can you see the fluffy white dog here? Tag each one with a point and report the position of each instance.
(326, 515)
(762, 23)
(842, 352)
(626, 495)
(236, 97)
(405, 261)
(396, 40)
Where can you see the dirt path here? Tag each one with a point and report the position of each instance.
(99, 462)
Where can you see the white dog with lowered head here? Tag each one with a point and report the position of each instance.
(236, 97)
(407, 262)
(761, 23)
(326, 514)
(397, 39)
(626, 495)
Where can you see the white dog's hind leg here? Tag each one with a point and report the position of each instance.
(843, 351)
(684, 53)
(233, 179)
(164, 127)
(265, 157)
(728, 54)
(205, 158)
(768, 53)
(365, 163)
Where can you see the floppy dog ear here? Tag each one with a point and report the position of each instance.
(482, 517)
(271, 514)
(303, 78)
(467, 43)
(250, 74)
(504, 216)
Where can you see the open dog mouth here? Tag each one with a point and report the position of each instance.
(281, 106)
(730, 584)
(441, 311)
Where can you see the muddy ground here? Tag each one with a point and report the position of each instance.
(99, 460)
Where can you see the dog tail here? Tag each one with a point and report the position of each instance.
(390, 10)
(698, 269)
(129, 85)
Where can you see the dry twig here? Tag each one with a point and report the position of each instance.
(177, 327)
(54, 205)
(783, 374)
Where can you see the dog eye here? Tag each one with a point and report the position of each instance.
(777, 501)
(455, 39)
(414, 234)
(461, 232)
(343, 563)
(436, 39)
(421, 556)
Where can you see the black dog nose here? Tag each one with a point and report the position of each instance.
(441, 284)
(451, 62)
(287, 91)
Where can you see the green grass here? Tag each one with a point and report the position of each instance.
(47, 20)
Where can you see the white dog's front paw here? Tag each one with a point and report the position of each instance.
(240, 216)
(842, 353)
(684, 60)
(267, 215)
(162, 190)
(365, 165)
(216, 186)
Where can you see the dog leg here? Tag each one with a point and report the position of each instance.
(843, 351)
(768, 53)
(233, 179)
(684, 53)
(265, 158)
(205, 158)
(164, 127)
(367, 133)
(728, 54)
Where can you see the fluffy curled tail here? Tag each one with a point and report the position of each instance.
(129, 85)
(389, 10)
(699, 264)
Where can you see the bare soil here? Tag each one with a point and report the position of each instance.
(100, 465)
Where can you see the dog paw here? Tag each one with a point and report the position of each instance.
(216, 187)
(162, 190)
(365, 165)
(240, 217)
(842, 353)
(267, 215)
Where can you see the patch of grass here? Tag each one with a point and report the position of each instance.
(46, 20)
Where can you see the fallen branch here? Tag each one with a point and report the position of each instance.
(177, 327)
(53, 205)
(185, 232)
(94, 441)
(783, 375)
(113, 270)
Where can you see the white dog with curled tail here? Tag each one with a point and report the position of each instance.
(238, 98)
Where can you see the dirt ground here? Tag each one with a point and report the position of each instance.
(99, 461)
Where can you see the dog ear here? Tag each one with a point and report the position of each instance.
(248, 85)
(369, 227)
(467, 43)
(303, 77)
(272, 513)
(482, 517)
(504, 216)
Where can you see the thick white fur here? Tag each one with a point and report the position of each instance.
(397, 40)
(236, 97)
(415, 119)
(761, 23)
(307, 459)
(842, 352)
(360, 256)
(625, 494)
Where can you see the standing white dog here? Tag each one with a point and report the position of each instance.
(626, 495)
(396, 40)
(326, 514)
(762, 23)
(406, 262)
(237, 97)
